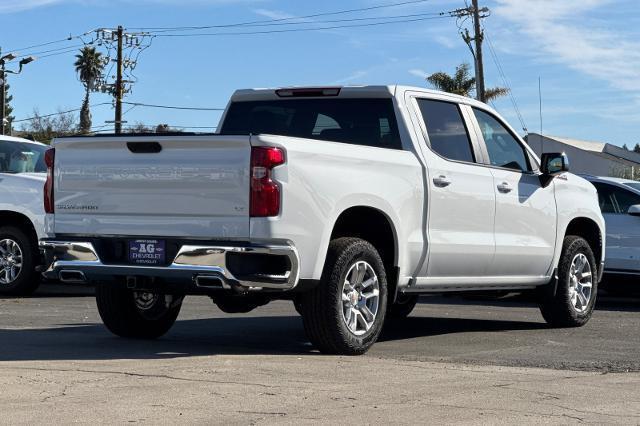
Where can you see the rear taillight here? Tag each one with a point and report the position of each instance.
(49, 159)
(265, 193)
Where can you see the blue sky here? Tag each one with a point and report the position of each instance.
(587, 53)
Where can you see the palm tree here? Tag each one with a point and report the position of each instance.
(462, 83)
(89, 66)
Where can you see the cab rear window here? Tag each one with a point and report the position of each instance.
(369, 122)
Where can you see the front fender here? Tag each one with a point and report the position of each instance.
(576, 198)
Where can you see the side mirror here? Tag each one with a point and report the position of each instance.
(554, 163)
(634, 210)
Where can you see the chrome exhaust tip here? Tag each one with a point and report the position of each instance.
(210, 282)
(72, 277)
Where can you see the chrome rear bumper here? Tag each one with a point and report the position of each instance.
(205, 266)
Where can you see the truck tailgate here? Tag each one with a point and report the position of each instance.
(182, 186)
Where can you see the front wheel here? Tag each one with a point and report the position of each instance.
(136, 314)
(345, 313)
(575, 296)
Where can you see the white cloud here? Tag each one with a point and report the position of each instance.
(353, 77)
(447, 42)
(273, 14)
(10, 6)
(418, 73)
(561, 33)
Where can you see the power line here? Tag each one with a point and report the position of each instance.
(77, 46)
(133, 105)
(73, 49)
(315, 15)
(505, 81)
(172, 107)
(371, 24)
(315, 22)
(58, 113)
(264, 21)
(70, 38)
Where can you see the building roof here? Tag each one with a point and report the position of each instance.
(598, 147)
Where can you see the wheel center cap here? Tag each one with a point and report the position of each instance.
(353, 297)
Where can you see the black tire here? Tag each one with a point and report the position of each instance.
(403, 307)
(297, 304)
(322, 307)
(27, 280)
(124, 318)
(558, 309)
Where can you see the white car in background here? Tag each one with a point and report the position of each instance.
(22, 176)
(620, 204)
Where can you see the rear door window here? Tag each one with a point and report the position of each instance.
(448, 135)
(370, 122)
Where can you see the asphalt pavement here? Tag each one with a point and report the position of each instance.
(56, 354)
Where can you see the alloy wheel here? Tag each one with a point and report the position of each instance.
(360, 298)
(580, 283)
(10, 261)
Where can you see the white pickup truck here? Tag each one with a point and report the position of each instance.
(22, 174)
(351, 201)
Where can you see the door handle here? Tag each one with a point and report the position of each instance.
(504, 187)
(441, 181)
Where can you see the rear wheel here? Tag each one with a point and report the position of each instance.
(345, 313)
(575, 296)
(18, 260)
(136, 314)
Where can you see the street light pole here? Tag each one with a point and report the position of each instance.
(3, 82)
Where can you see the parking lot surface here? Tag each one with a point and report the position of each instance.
(451, 361)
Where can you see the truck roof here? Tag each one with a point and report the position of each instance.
(15, 139)
(373, 91)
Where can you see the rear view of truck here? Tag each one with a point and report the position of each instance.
(169, 212)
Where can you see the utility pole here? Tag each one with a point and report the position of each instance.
(3, 101)
(476, 13)
(118, 117)
(478, 38)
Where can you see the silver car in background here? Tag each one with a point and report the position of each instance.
(620, 204)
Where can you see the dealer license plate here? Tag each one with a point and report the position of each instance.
(147, 252)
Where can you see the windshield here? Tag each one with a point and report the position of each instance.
(634, 185)
(20, 157)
